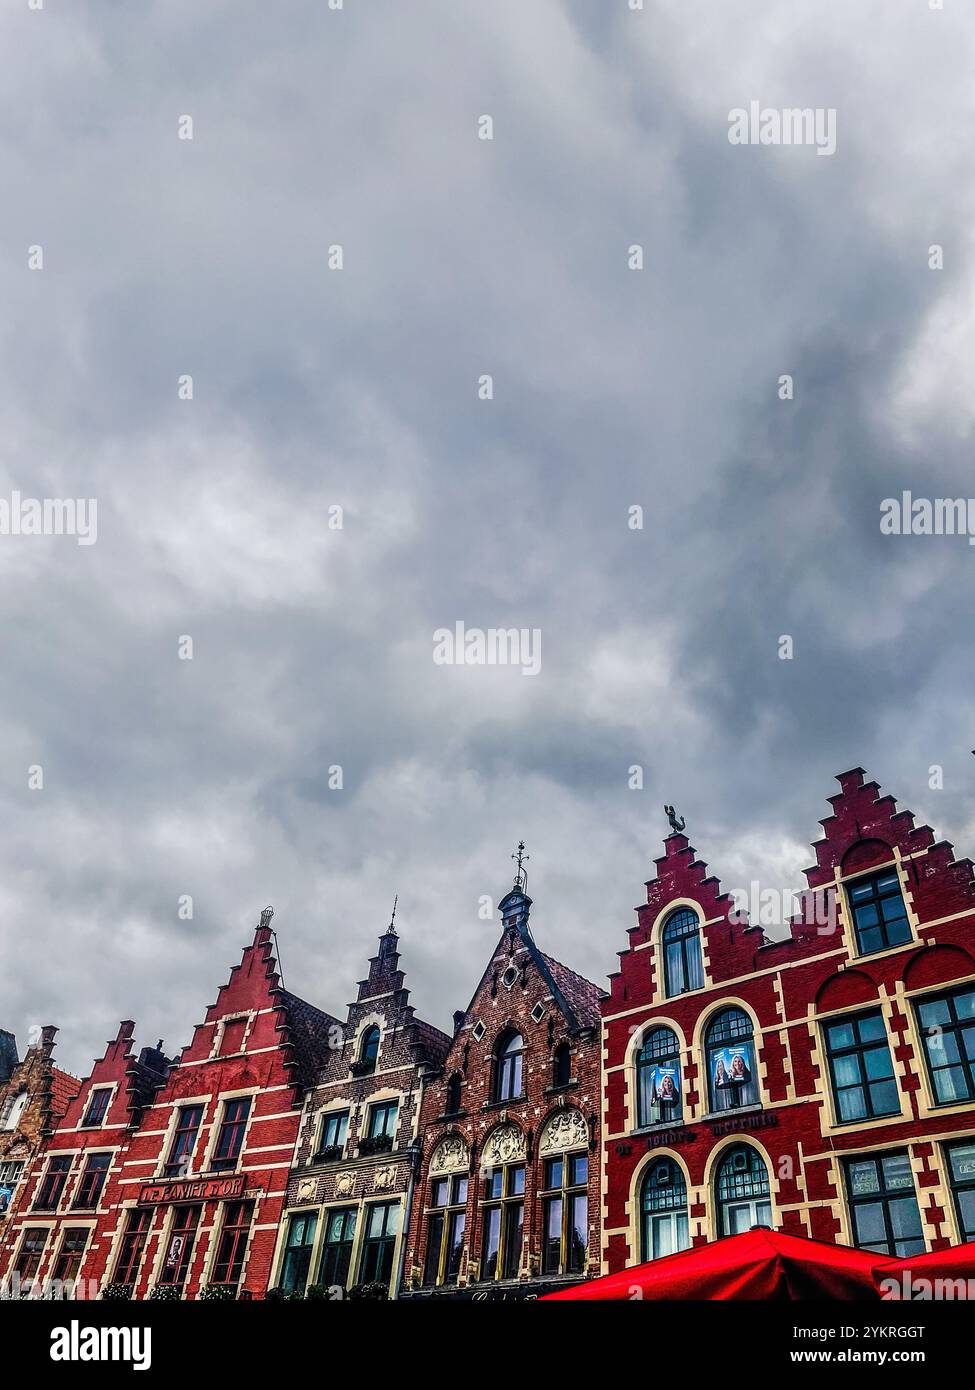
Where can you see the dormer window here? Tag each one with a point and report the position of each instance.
(14, 1110)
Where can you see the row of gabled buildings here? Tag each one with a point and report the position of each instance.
(822, 1083)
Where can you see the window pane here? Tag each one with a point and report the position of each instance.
(580, 1169)
(852, 1104)
(878, 1063)
(869, 1222)
(897, 1170)
(840, 1035)
(883, 1098)
(871, 1028)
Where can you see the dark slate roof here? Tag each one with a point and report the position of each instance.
(580, 994)
(309, 1030)
(432, 1045)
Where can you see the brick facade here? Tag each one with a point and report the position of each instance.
(59, 1227)
(196, 1153)
(34, 1094)
(349, 1192)
(479, 1150)
(817, 1122)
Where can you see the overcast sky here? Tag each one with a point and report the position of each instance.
(316, 388)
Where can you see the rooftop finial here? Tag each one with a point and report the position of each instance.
(521, 877)
(677, 823)
(266, 916)
(392, 920)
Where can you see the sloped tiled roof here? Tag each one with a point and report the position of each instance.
(309, 1032)
(64, 1088)
(580, 994)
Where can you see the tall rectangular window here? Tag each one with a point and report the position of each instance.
(382, 1226)
(446, 1224)
(97, 1107)
(504, 1220)
(29, 1254)
(961, 1162)
(297, 1251)
(879, 914)
(188, 1123)
(861, 1069)
(179, 1246)
(231, 1136)
(565, 1214)
(334, 1132)
(233, 1244)
(92, 1182)
(883, 1204)
(333, 1270)
(52, 1184)
(948, 1028)
(382, 1120)
(68, 1262)
(232, 1037)
(133, 1245)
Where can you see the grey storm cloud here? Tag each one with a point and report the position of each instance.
(315, 388)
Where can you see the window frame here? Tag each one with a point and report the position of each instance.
(875, 899)
(128, 1262)
(650, 1058)
(298, 1256)
(341, 1250)
(859, 1050)
(564, 1195)
(91, 1182)
(508, 1205)
(509, 1067)
(959, 1186)
(183, 1224)
(222, 1163)
(100, 1096)
(649, 1212)
(882, 1197)
(756, 1200)
(379, 1250)
(236, 1222)
(955, 1027)
(672, 933)
(50, 1177)
(174, 1165)
(738, 1091)
(451, 1218)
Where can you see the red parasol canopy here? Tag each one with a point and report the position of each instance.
(759, 1264)
(895, 1278)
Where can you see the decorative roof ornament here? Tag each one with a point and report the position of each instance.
(677, 823)
(266, 916)
(521, 876)
(392, 920)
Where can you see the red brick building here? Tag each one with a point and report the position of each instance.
(507, 1198)
(170, 1179)
(823, 1084)
(58, 1229)
(34, 1094)
(352, 1181)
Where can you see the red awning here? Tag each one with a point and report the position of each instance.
(913, 1277)
(759, 1264)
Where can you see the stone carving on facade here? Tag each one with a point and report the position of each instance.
(384, 1177)
(504, 1145)
(450, 1155)
(345, 1184)
(565, 1130)
(307, 1187)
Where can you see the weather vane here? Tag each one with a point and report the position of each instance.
(521, 877)
(266, 916)
(392, 920)
(677, 823)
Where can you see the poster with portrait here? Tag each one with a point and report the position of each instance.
(731, 1066)
(665, 1085)
(6, 1193)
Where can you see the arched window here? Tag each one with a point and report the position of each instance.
(369, 1050)
(732, 1073)
(682, 953)
(452, 1103)
(562, 1065)
(658, 1083)
(507, 1082)
(742, 1190)
(664, 1207)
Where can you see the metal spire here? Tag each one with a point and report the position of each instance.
(521, 877)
